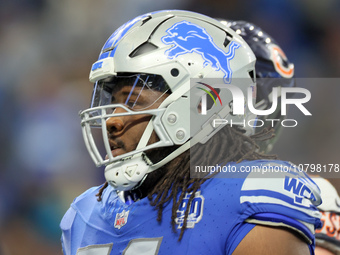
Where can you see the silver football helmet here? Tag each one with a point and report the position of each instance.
(161, 53)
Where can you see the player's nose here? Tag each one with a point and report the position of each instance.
(115, 124)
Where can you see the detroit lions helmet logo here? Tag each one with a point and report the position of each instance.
(188, 38)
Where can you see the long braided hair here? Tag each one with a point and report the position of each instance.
(173, 179)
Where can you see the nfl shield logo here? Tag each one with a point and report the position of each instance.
(121, 219)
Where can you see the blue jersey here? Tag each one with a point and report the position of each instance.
(222, 213)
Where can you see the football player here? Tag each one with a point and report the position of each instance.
(273, 69)
(158, 129)
(328, 236)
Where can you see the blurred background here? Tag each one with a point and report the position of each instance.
(47, 48)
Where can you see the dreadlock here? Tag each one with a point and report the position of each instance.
(175, 178)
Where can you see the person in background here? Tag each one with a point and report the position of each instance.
(273, 69)
(328, 236)
(267, 63)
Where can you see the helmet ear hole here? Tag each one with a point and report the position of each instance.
(174, 72)
(252, 75)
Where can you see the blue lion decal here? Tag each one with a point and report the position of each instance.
(189, 38)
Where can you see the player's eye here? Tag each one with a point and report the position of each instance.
(131, 104)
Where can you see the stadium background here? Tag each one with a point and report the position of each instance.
(47, 48)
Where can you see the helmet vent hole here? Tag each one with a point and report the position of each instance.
(228, 38)
(174, 72)
(252, 75)
(117, 173)
(142, 49)
(146, 19)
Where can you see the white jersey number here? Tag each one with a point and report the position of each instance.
(141, 246)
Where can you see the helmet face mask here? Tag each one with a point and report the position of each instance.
(98, 117)
(145, 69)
